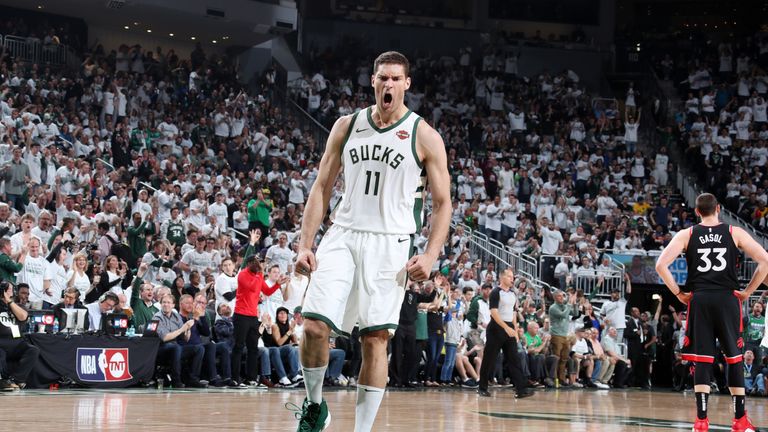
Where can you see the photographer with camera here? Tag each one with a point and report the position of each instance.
(13, 348)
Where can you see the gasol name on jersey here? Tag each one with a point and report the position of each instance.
(708, 238)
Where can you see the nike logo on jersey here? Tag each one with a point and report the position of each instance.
(402, 240)
(361, 130)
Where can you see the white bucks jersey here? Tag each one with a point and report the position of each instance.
(383, 177)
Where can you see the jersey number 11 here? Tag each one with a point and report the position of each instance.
(376, 175)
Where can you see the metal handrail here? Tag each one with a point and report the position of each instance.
(35, 51)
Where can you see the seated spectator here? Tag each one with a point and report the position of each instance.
(106, 303)
(22, 296)
(543, 367)
(617, 365)
(172, 329)
(282, 349)
(336, 356)
(582, 359)
(754, 377)
(467, 372)
(200, 334)
(600, 357)
(14, 348)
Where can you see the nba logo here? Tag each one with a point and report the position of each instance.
(103, 364)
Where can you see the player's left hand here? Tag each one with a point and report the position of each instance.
(419, 267)
(741, 295)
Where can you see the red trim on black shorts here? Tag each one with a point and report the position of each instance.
(698, 358)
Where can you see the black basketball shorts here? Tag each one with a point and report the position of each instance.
(713, 316)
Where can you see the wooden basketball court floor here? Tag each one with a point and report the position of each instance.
(402, 411)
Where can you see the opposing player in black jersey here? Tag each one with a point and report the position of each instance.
(714, 301)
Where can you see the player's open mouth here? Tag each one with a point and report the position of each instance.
(387, 100)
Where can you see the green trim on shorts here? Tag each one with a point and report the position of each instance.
(377, 328)
(325, 319)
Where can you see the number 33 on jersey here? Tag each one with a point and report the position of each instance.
(383, 177)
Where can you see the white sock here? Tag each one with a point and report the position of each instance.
(313, 381)
(368, 401)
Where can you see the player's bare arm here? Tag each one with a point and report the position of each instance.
(431, 150)
(320, 195)
(745, 242)
(668, 255)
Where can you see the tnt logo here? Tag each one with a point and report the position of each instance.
(103, 364)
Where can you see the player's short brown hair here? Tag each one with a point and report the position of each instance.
(706, 204)
(392, 57)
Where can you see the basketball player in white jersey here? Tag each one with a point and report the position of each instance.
(359, 275)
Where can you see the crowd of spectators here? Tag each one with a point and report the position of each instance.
(133, 185)
(721, 126)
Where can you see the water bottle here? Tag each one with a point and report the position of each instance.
(557, 383)
(55, 326)
(160, 383)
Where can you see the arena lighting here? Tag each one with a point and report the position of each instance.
(39, 6)
(126, 27)
(193, 38)
(135, 23)
(214, 41)
(149, 30)
(170, 34)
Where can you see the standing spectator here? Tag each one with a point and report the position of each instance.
(16, 175)
(141, 300)
(403, 359)
(250, 285)
(454, 319)
(226, 284)
(280, 254)
(33, 273)
(637, 339)
(560, 315)
(12, 346)
(9, 267)
(631, 130)
(614, 311)
(435, 328)
(754, 330)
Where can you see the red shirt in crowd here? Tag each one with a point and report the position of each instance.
(249, 288)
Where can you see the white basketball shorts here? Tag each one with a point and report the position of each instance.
(360, 279)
